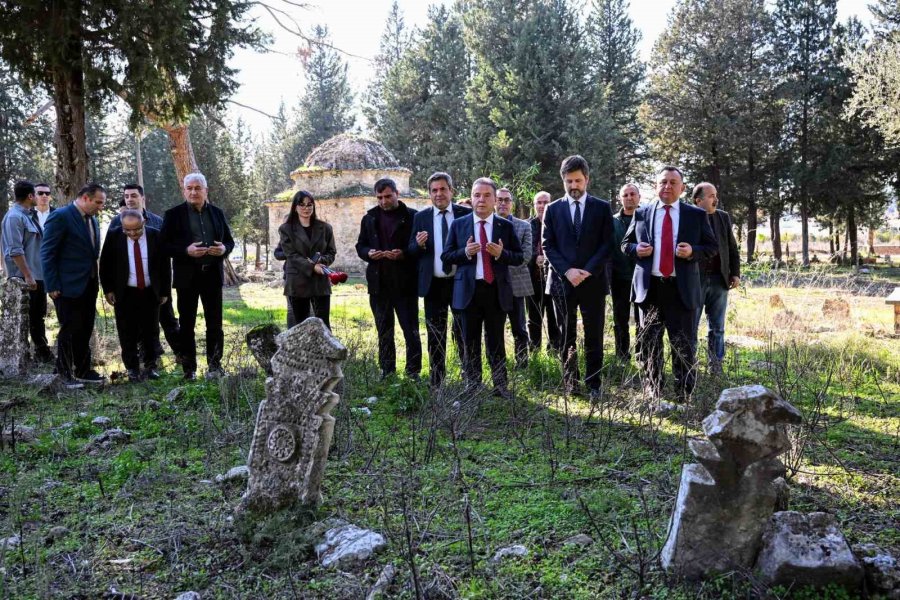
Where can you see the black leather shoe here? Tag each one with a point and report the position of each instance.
(134, 375)
(151, 374)
(189, 376)
(91, 376)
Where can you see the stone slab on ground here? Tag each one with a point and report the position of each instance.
(882, 570)
(348, 544)
(801, 549)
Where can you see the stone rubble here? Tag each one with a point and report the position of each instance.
(348, 544)
(513, 551)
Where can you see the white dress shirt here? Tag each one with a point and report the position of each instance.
(489, 231)
(439, 241)
(572, 202)
(42, 216)
(132, 272)
(657, 233)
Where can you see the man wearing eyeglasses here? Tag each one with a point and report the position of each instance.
(22, 254)
(136, 279)
(42, 200)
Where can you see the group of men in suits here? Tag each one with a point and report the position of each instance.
(61, 253)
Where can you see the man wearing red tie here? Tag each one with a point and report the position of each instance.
(136, 280)
(669, 238)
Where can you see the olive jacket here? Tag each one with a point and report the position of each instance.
(300, 280)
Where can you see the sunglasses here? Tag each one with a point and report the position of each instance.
(43, 193)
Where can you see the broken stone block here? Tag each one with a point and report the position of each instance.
(15, 351)
(881, 570)
(261, 341)
(234, 474)
(509, 552)
(294, 425)
(348, 544)
(806, 550)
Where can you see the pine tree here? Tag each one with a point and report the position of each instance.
(395, 38)
(617, 73)
(325, 109)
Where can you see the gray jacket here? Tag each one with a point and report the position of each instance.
(519, 276)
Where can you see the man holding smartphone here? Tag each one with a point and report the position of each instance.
(197, 237)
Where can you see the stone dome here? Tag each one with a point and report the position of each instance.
(350, 151)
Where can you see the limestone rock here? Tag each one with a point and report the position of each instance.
(174, 395)
(188, 596)
(581, 539)
(294, 425)
(15, 351)
(261, 341)
(234, 474)
(10, 543)
(881, 570)
(21, 434)
(107, 439)
(806, 550)
(508, 552)
(101, 421)
(55, 534)
(348, 544)
(381, 584)
(748, 425)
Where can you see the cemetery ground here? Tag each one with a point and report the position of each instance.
(448, 478)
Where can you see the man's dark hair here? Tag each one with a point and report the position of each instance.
(671, 168)
(134, 186)
(90, 189)
(439, 175)
(42, 184)
(574, 163)
(22, 189)
(698, 192)
(385, 182)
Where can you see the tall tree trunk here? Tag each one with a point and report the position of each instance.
(804, 231)
(258, 261)
(752, 224)
(181, 149)
(871, 241)
(831, 239)
(246, 244)
(775, 222)
(852, 234)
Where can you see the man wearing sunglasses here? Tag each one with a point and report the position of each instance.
(42, 200)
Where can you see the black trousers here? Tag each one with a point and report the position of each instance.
(321, 306)
(37, 311)
(137, 322)
(76, 324)
(538, 305)
(169, 323)
(206, 288)
(484, 314)
(384, 307)
(591, 300)
(519, 331)
(661, 310)
(620, 290)
(437, 307)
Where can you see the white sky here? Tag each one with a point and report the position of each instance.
(356, 26)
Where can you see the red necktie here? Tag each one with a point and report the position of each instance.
(139, 266)
(486, 265)
(667, 253)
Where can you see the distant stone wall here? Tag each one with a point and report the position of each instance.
(324, 183)
(344, 215)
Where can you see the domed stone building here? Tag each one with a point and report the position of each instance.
(341, 174)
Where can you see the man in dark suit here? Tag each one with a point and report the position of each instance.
(623, 273)
(540, 303)
(578, 233)
(718, 274)
(669, 238)
(197, 237)
(133, 197)
(69, 252)
(391, 276)
(483, 246)
(136, 278)
(430, 229)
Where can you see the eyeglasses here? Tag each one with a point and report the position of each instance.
(306, 205)
(43, 193)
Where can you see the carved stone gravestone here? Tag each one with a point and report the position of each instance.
(725, 501)
(261, 341)
(15, 351)
(294, 425)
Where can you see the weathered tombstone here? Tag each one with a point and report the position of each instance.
(725, 501)
(261, 341)
(775, 301)
(15, 351)
(836, 308)
(294, 425)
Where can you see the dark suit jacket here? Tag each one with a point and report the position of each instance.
(67, 256)
(590, 252)
(729, 254)
(177, 236)
(393, 277)
(114, 265)
(151, 219)
(455, 254)
(694, 229)
(424, 221)
(300, 279)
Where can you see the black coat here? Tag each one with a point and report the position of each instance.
(590, 252)
(424, 221)
(114, 265)
(177, 236)
(300, 279)
(729, 254)
(395, 278)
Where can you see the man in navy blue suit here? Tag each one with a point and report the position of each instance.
(577, 239)
(430, 229)
(69, 253)
(483, 245)
(669, 239)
